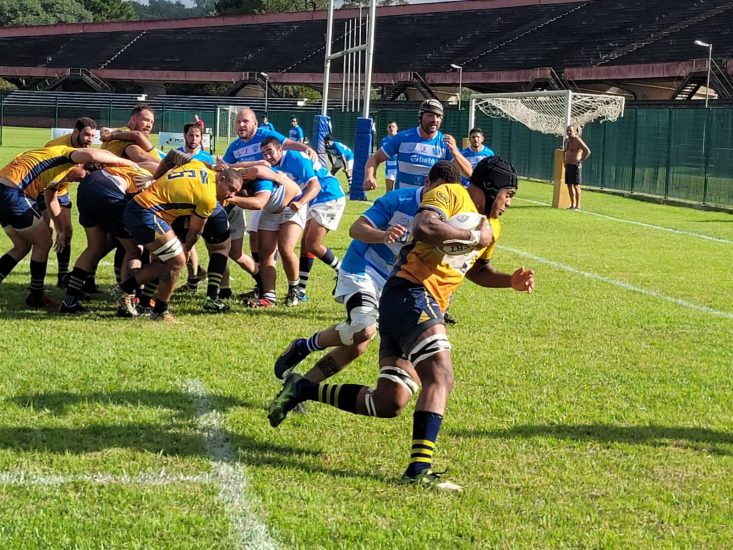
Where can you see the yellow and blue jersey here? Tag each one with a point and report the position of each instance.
(124, 177)
(188, 190)
(427, 265)
(38, 169)
(118, 147)
(64, 140)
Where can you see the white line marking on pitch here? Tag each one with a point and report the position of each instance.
(642, 224)
(627, 286)
(54, 480)
(229, 475)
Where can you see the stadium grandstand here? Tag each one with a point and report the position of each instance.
(643, 50)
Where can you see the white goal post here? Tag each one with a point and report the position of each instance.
(548, 112)
(226, 123)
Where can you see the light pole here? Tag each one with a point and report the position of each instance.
(459, 68)
(710, 60)
(267, 80)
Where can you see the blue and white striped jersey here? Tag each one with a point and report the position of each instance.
(415, 156)
(474, 157)
(244, 151)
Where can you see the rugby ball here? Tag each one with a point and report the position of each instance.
(464, 220)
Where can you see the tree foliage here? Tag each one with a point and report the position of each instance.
(110, 10)
(42, 12)
(163, 9)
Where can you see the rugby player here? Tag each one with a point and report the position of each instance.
(183, 191)
(414, 348)
(21, 183)
(417, 150)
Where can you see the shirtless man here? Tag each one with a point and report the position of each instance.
(575, 151)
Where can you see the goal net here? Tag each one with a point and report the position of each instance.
(548, 112)
(226, 125)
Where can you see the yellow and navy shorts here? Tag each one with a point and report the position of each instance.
(17, 210)
(142, 223)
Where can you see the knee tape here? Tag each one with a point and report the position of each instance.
(362, 317)
(428, 347)
(169, 250)
(400, 377)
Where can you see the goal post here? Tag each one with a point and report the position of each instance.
(548, 112)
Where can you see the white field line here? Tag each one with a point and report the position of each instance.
(229, 476)
(27, 479)
(621, 284)
(641, 224)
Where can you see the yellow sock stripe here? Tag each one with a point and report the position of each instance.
(336, 395)
(425, 442)
(421, 459)
(322, 389)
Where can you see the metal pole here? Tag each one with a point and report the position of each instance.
(343, 75)
(460, 86)
(358, 62)
(371, 26)
(267, 81)
(326, 63)
(707, 84)
(471, 114)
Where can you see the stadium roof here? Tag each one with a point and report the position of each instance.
(642, 48)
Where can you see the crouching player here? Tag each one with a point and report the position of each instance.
(414, 348)
(102, 198)
(189, 190)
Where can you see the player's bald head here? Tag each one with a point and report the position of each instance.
(246, 123)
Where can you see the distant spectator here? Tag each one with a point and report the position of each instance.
(476, 150)
(390, 167)
(575, 151)
(266, 124)
(296, 132)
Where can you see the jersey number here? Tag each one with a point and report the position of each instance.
(182, 174)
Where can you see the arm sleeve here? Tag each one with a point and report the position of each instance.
(381, 211)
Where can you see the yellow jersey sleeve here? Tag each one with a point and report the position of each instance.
(443, 200)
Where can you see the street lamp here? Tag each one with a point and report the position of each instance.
(267, 80)
(710, 59)
(459, 68)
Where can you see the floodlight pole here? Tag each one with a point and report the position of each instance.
(459, 68)
(710, 62)
(327, 62)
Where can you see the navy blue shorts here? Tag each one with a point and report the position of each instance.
(216, 229)
(101, 204)
(406, 310)
(64, 201)
(573, 174)
(143, 224)
(16, 209)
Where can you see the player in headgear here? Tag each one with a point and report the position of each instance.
(491, 175)
(414, 347)
(430, 106)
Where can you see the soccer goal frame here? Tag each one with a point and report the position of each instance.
(549, 112)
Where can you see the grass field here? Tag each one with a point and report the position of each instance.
(596, 412)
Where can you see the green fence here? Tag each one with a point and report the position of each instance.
(674, 152)
(681, 151)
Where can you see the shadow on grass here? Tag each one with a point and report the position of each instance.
(699, 439)
(58, 403)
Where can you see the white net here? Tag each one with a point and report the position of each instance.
(226, 124)
(547, 112)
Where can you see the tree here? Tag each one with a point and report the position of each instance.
(163, 9)
(110, 10)
(236, 7)
(42, 12)
(365, 3)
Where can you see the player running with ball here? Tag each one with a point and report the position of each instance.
(414, 347)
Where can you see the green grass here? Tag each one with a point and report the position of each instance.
(584, 415)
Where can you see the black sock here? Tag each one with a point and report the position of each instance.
(38, 275)
(341, 396)
(217, 265)
(160, 306)
(119, 259)
(7, 264)
(130, 285)
(63, 258)
(76, 282)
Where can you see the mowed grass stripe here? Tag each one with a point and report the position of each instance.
(641, 224)
(622, 284)
(230, 477)
(30, 479)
